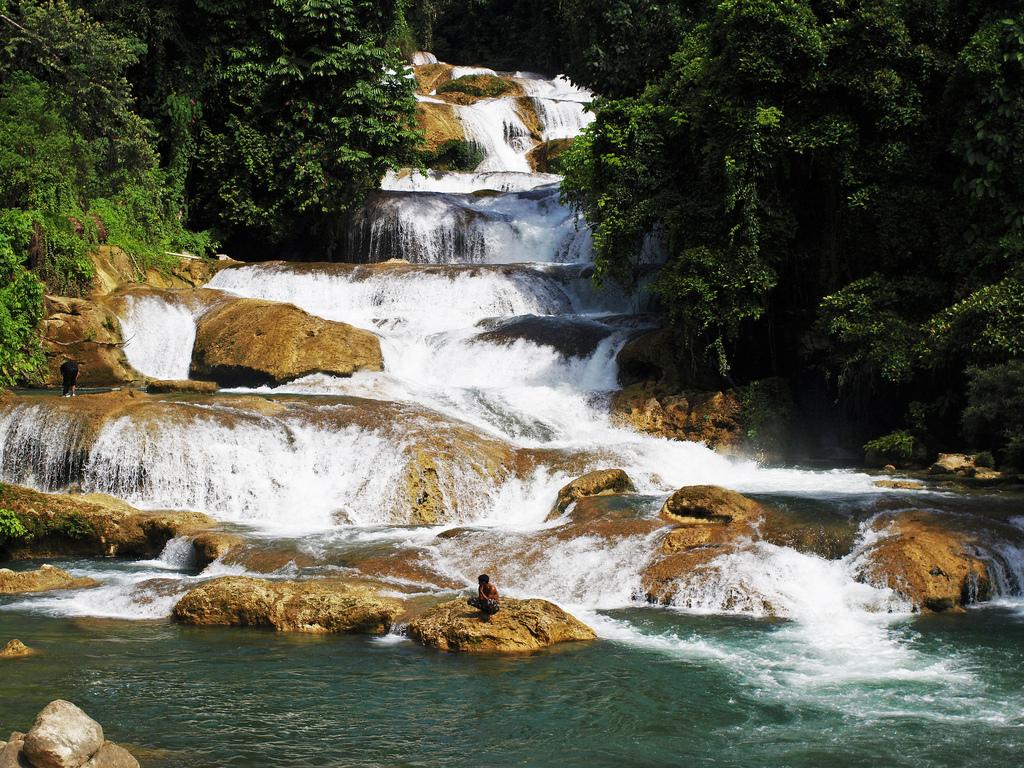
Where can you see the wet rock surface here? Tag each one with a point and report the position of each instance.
(253, 342)
(934, 560)
(709, 503)
(570, 337)
(59, 524)
(191, 386)
(88, 332)
(288, 606)
(710, 521)
(43, 579)
(601, 482)
(520, 625)
(63, 736)
(15, 649)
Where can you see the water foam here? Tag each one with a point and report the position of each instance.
(159, 333)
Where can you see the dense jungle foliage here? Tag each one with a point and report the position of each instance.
(838, 186)
(172, 126)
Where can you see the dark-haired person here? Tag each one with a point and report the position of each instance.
(487, 597)
(69, 375)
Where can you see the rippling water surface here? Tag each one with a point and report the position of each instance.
(700, 691)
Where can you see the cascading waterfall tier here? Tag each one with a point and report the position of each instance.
(445, 228)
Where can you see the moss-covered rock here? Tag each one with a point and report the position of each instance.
(480, 86)
(57, 524)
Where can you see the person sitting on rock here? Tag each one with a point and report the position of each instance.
(487, 597)
(69, 374)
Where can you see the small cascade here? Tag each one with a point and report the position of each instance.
(466, 183)
(178, 555)
(496, 127)
(764, 579)
(159, 335)
(423, 300)
(449, 229)
(562, 119)
(584, 571)
(43, 447)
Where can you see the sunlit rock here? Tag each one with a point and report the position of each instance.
(43, 579)
(288, 606)
(600, 482)
(934, 560)
(63, 736)
(248, 341)
(520, 625)
(89, 333)
(709, 503)
(15, 649)
(58, 524)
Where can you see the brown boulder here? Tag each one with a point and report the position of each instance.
(63, 736)
(110, 755)
(214, 545)
(709, 503)
(952, 463)
(188, 386)
(922, 556)
(15, 649)
(711, 522)
(11, 751)
(288, 606)
(705, 417)
(601, 482)
(90, 333)
(42, 579)
(520, 625)
(900, 485)
(249, 341)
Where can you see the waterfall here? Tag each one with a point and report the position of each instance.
(562, 119)
(159, 334)
(448, 229)
(448, 181)
(496, 127)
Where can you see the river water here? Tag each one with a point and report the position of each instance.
(495, 341)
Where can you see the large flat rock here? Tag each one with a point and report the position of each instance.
(520, 625)
(288, 606)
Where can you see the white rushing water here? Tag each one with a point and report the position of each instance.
(159, 334)
(466, 228)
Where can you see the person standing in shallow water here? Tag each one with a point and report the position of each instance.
(487, 597)
(69, 374)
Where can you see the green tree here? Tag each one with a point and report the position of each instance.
(828, 183)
